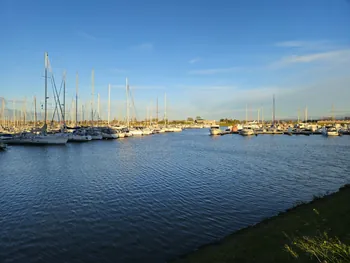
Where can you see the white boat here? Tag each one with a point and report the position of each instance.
(121, 131)
(34, 139)
(96, 137)
(158, 130)
(121, 135)
(43, 138)
(136, 132)
(330, 131)
(78, 138)
(177, 129)
(215, 130)
(4, 137)
(109, 133)
(251, 125)
(147, 131)
(247, 132)
(95, 134)
(128, 133)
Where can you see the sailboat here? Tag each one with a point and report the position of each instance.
(78, 135)
(42, 138)
(135, 131)
(330, 131)
(94, 133)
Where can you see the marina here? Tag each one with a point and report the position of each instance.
(154, 198)
(57, 132)
(174, 132)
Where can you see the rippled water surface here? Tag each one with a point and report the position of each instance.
(154, 198)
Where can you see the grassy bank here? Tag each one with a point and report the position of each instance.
(265, 242)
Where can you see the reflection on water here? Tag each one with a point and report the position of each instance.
(153, 198)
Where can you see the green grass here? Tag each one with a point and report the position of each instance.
(268, 241)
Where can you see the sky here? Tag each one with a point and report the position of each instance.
(213, 59)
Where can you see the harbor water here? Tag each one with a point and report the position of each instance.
(154, 198)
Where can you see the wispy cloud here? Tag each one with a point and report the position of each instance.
(302, 44)
(144, 46)
(290, 44)
(213, 71)
(335, 56)
(86, 35)
(194, 60)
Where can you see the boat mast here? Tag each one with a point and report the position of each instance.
(92, 96)
(150, 114)
(98, 107)
(127, 102)
(147, 109)
(35, 117)
(109, 102)
(82, 117)
(274, 111)
(64, 101)
(305, 114)
(157, 111)
(14, 113)
(25, 111)
(76, 99)
(3, 112)
(246, 113)
(46, 65)
(165, 117)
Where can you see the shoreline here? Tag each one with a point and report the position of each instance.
(264, 241)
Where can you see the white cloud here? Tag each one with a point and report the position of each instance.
(335, 56)
(194, 60)
(86, 35)
(213, 71)
(300, 44)
(290, 44)
(318, 96)
(144, 46)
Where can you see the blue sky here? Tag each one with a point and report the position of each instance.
(212, 58)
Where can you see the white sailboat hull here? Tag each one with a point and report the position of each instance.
(215, 131)
(37, 140)
(136, 133)
(128, 134)
(121, 135)
(246, 132)
(96, 137)
(109, 136)
(147, 132)
(79, 138)
(332, 133)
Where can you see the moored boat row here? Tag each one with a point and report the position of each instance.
(249, 130)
